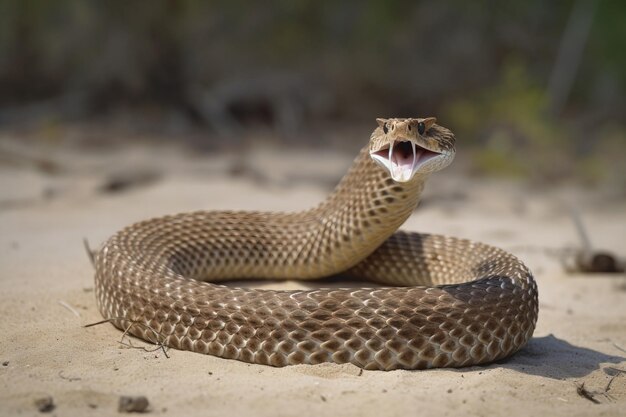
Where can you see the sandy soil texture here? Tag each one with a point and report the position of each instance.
(50, 199)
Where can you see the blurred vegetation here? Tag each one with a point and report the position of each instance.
(530, 88)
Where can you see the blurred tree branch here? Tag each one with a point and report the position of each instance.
(570, 53)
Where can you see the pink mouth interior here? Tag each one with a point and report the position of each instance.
(405, 155)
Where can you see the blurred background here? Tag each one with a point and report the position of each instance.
(533, 89)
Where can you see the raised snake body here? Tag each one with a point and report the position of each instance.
(451, 302)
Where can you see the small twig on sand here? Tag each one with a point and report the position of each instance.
(619, 348)
(68, 378)
(583, 392)
(589, 260)
(130, 345)
(582, 232)
(157, 342)
(160, 345)
(618, 372)
(608, 386)
(98, 323)
(70, 308)
(591, 395)
(90, 254)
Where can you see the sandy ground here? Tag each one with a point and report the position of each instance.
(51, 198)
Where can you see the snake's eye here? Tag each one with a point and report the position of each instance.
(421, 128)
(385, 128)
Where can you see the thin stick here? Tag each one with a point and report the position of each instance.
(68, 378)
(101, 322)
(70, 308)
(618, 373)
(157, 342)
(160, 345)
(608, 386)
(619, 348)
(90, 253)
(582, 391)
(582, 231)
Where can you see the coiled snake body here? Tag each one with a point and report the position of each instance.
(447, 302)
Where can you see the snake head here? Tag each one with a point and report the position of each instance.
(406, 147)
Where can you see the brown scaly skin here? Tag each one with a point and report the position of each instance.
(462, 303)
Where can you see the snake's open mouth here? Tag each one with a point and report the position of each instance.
(402, 158)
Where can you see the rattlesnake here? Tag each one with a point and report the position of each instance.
(445, 302)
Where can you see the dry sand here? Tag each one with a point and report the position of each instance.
(52, 198)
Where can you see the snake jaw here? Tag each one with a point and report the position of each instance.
(403, 158)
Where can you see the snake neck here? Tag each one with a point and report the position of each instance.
(365, 208)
